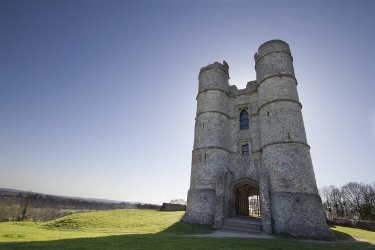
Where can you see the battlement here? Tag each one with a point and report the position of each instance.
(274, 59)
(210, 83)
(251, 87)
(216, 65)
(270, 47)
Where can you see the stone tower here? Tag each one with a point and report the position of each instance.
(252, 143)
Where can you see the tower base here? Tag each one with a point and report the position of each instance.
(200, 206)
(297, 214)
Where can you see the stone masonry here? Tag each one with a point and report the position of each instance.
(278, 162)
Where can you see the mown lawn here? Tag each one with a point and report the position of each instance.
(150, 229)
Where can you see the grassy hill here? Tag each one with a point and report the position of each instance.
(45, 207)
(150, 229)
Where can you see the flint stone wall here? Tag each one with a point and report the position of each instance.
(172, 207)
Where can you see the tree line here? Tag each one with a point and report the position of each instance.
(351, 201)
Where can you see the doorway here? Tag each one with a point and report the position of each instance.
(247, 201)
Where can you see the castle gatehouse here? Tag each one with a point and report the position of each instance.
(250, 156)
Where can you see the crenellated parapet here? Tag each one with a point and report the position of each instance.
(216, 65)
(251, 88)
(214, 77)
(273, 59)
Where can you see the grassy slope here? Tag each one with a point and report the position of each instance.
(149, 229)
(104, 223)
(347, 233)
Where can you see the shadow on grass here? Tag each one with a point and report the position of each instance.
(340, 235)
(160, 241)
(184, 228)
(167, 239)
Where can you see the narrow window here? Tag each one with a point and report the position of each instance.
(245, 149)
(244, 120)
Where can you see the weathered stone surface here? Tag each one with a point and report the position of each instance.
(298, 214)
(278, 164)
(200, 206)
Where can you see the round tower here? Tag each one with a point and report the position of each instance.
(295, 204)
(210, 153)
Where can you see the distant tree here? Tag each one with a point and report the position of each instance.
(354, 195)
(28, 199)
(352, 201)
(333, 201)
(368, 212)
(178, 201)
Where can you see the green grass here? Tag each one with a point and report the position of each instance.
(150, 229)
(347, 233)
(116, 221)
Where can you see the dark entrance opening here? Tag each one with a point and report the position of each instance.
(247, 201)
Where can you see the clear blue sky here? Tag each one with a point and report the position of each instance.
(97, 98)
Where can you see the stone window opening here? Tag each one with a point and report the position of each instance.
(245, 149)
(244, 120)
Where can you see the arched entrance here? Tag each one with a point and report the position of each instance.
(247, 201)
